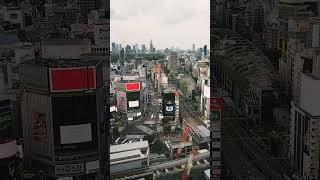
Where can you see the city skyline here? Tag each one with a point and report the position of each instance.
(147, 45)
(138, 22)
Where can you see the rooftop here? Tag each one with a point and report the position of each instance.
(63, 63)
(125, 154)
(67, 42)
(204, 132)
(128, 147)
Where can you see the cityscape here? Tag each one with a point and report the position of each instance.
(159, 90)
(264, 58)
(53, 89)
(159, 93)
(159, 104)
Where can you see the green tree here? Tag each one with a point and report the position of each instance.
(167, 128)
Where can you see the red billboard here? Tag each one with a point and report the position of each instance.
(72, 79)
(216, 103)
(132, 86)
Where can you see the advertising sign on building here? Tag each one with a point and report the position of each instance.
(133, 100)
(72, 79)
(168, 104)
(70, 169)
(122, 101)
(132, 86)
(39, 126)
(133, 103)
(5, 114)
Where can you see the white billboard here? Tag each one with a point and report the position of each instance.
(134, 103)
(113, 108)
(206, 91)
(75, 133)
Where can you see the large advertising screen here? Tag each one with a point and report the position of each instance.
(75, 123)
(132, 86)
(168, 104)
(133, 99)
(72, 79)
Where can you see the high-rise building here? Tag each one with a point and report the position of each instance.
(193, 47)
(143, 48)
(219, 17)
(271, 33)
(128, 49)
(151, 46)
(173, 60)
(303, 64)
(170, 107)
(86, 6)
(128, 99)
(205, 50)
(113, 47)
(64, 130)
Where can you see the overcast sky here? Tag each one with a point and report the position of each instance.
(168, 23)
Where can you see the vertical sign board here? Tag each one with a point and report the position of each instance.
(215, 116)
(5, 114)
(122, 101)
(39, 122)
(72, 79)
(168, 104)
(177, 107)
(215, 107)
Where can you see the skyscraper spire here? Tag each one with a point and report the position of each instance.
(151, 46)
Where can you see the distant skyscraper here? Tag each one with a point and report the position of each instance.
(151, 46)
(117, 47)
(143, 48)
(113, 46)
(128, 49)
(205, 50)
(193, 47)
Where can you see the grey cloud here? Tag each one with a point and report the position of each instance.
(116, 16)
(179, 19)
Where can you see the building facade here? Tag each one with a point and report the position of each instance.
(63, 118)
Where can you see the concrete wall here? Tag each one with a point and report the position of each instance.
(126, 166)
